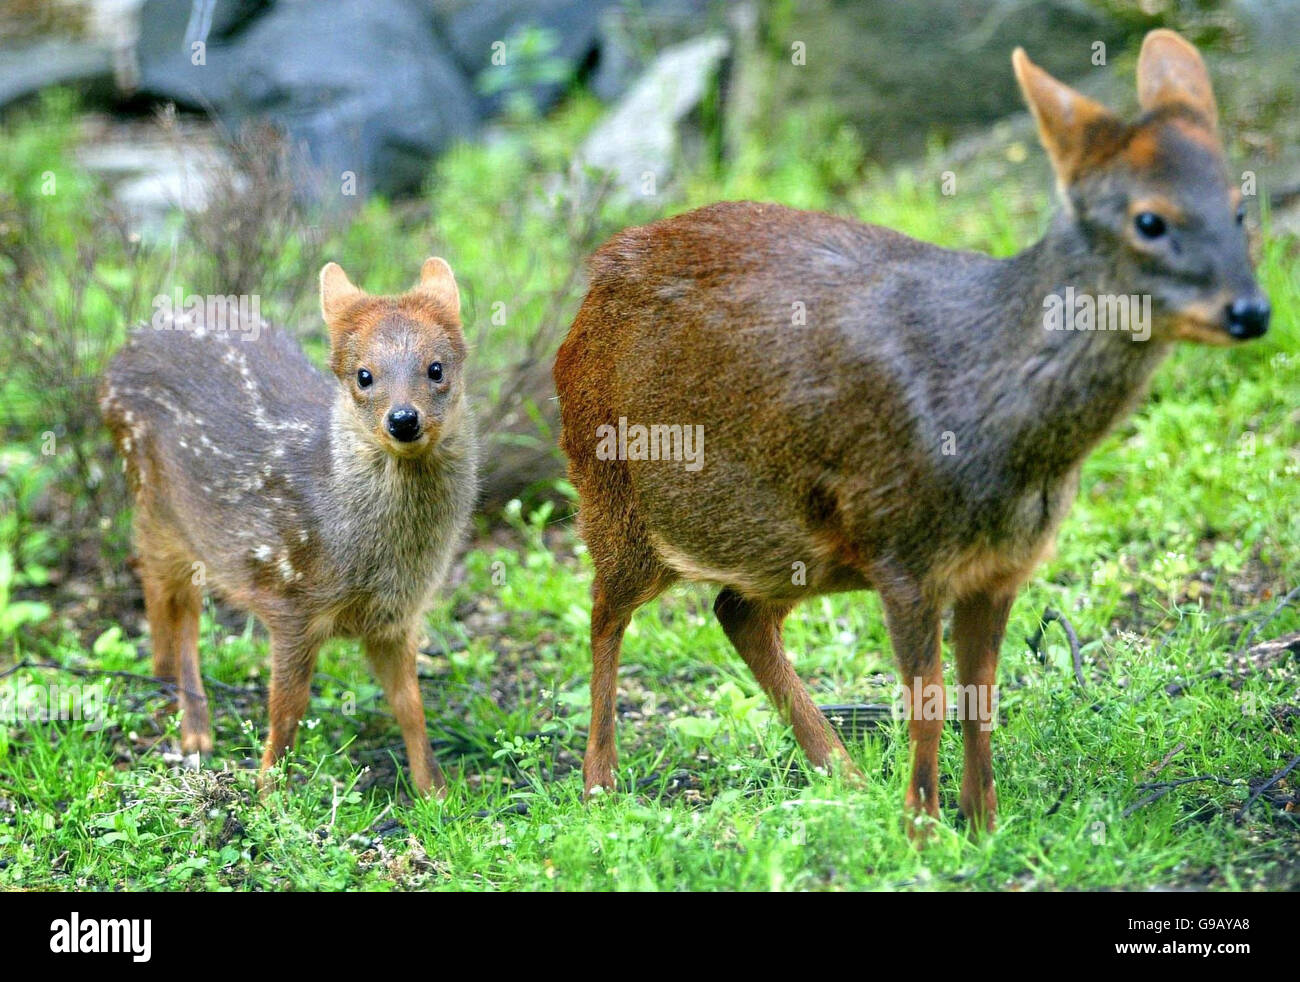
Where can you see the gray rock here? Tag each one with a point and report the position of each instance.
(640, 136)
(27, 70)
(363, 86)
(903, 73)
(631, 34)
(151, 173)
(473, 26)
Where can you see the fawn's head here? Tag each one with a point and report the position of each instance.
(1153, 199)
(401, 359)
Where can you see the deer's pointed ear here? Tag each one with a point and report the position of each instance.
(1074, 129)
(438, 281)
(336, 292)
(1171, 71)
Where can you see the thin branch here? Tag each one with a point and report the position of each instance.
(1164, 787)
(1268, 784)
(1284, 602)
(1035, 641)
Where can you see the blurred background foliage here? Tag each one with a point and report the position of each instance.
(112, 193)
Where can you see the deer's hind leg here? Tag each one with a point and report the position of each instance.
(754, 629)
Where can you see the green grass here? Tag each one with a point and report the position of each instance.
(1183, 538)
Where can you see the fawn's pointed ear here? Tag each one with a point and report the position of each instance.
(1073, 128)
(1171, 71)
(336, 292)
(438, 281)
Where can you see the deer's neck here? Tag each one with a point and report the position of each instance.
(1064, 387)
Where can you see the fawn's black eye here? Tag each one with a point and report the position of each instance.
(1149, 225)
(1241, 213)
(364, 378)
(435, 371)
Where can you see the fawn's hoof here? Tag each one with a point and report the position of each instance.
(196, 743)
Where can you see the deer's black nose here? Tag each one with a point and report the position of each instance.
(1248, 317)
(403, 423)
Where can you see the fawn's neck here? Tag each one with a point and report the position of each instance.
(391, 508)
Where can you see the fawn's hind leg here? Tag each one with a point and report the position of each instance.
(162, 630)
(755, 631)
(394, 663)
(915, 631)
(172, 605)
(978, 623)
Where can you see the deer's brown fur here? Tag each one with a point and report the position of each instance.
(916, 431)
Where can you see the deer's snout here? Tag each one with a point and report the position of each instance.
(403, 423)
(1248, 316)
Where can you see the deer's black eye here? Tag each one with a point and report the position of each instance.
(364, 378)
(1149, 225)
(1241, 213)
(435, 371)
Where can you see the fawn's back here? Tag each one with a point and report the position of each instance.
(225, 437)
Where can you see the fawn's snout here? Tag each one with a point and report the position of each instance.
(401, 359)
(403, 423)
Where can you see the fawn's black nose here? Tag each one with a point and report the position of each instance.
(403, 423)
(1248, 317)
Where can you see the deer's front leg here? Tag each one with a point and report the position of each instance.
(914, 630)
(293, 661)
(978, 624)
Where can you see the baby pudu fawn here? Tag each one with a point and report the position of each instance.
(880, 413)
(326, 507)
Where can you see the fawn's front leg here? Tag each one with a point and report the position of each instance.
(293, 660)
(393, 661)
(978, 623)
(915, 632)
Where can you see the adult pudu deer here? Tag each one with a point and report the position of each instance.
(327, 507)
(920, 431)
